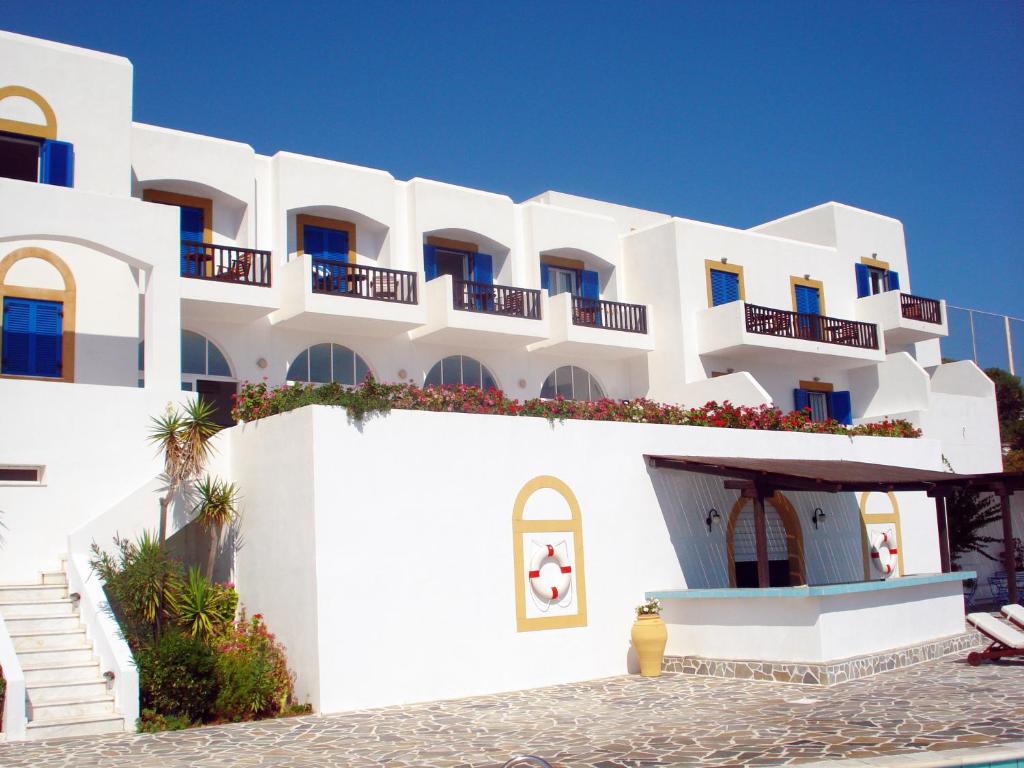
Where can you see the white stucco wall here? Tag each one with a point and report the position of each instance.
(427, 534)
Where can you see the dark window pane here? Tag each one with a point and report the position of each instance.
(19, 474)
(451, 370)
(320, 363)
(470, 372)
(218, 363)
(343, 365)
(193, 353)
(19, 159)
(488, 381)
(548, 390)
(299, 369)
(361, 369)
(563, 386)
(596, 393)
(142, 355)
(434, 377)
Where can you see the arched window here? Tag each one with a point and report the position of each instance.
(572, 383)
(324, 363)
(200, 357)
(459, 369)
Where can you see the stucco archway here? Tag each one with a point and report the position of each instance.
(794, 537)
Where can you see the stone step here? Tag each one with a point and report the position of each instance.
(29, 593)
(38, 657)
(22, 625)
(87, 725)
(61, 607)
(43, 693)
(67, 708)
(61, 673)
(55, 577)
(50, 640)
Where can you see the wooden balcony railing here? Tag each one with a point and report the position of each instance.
(496, 299)
(796, 325)
(363, 282)
(613, 315)
(918, 308)
(225, 263)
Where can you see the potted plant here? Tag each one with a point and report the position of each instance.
(649, 636)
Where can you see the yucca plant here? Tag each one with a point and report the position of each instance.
(216, 507)
(203, 609)
(183, 436)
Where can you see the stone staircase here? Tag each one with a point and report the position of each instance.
(66, 692)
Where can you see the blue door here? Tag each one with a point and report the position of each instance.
(808, 305)
(329, 249)
(193, 223)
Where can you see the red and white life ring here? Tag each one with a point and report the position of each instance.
(560, 588)
(883, 552)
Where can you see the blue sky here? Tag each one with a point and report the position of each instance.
(734, 113)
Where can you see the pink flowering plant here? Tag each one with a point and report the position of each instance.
(257, 401)
(253, 680)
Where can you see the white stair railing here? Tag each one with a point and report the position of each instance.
(14, 698)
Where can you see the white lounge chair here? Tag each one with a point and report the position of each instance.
(1006, 641)
(1015, 613)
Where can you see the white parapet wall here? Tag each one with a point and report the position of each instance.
(381, 553)
(14, 718)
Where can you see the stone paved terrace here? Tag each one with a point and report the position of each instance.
(621, 721)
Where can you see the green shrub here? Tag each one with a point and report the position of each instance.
(252, 673)
(142, 583)
(153, 722)
(177, 676)
(205, 609)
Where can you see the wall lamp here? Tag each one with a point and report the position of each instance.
(712, 516)
(818, 515)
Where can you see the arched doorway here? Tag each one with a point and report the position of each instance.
(786, 567)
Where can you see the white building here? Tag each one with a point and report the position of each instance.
(138, 261)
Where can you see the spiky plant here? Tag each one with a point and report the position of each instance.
(203, 610)
(183, 436)
(216, 507)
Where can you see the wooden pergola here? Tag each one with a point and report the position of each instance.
(758, 479)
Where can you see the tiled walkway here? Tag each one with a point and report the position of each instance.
(621, 721)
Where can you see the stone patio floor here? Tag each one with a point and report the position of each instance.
(621, 721)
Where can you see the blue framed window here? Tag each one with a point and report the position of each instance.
(873, 280)
(33, 335)
(28, 158)
(824, 405)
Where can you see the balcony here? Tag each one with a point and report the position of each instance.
(496, 299)
(462, 312)
(903, 318)
(225, 282)
(326, 296)
(595, 328)
(738, 333)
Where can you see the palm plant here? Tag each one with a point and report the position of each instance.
(216, 507)
(183, 436)
(203, 609)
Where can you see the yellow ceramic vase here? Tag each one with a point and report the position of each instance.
(649, 636)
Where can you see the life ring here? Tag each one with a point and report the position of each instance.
(883, 553)
(560, 588)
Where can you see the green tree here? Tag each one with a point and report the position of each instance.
(969, 513)
(1010, 407)
(216, 507)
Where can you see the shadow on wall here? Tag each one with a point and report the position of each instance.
(191, 545)
(832, 552)
(684, 499)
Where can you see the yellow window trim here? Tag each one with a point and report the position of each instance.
(735, 269)
(302, 219)
(458, 245)
(68, 297)
(794, 537)
(817, 386)
(559, 261)
(46, 131)
(173, 198)
(795, 281)
(880, 518)
(877, 264)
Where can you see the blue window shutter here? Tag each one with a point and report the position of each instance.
(17, 336)
(801, 399)
(589, 286)
(545, 277)
(863, 280)
(57, 163)
(429, 262)
(842, 409)
(335, 244)
(807, 300)
(725, 287)
(192, 223)
(49, 322)
(313, 242)
(483, 268)
(892, 280)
